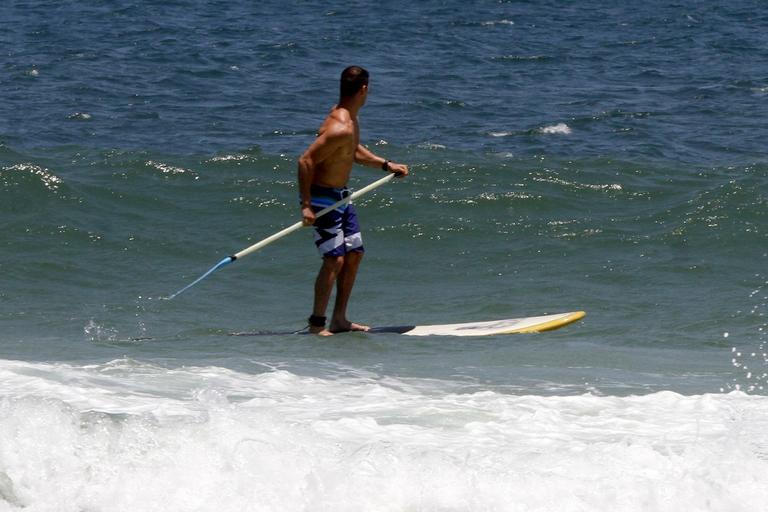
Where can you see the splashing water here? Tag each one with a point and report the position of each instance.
(752, 362)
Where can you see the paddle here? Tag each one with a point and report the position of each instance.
(280, 234)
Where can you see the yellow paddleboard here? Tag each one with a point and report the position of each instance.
(488, 328)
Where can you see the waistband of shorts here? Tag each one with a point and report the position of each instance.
(337, 194)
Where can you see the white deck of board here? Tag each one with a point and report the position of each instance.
(485, 328)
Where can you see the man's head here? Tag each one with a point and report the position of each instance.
(353, 79)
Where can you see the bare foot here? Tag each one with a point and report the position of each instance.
(348, 327)
(320, 331)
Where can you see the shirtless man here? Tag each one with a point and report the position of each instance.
(324, 170)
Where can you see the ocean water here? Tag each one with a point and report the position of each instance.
(592, 156)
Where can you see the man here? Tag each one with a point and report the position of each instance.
(323, 174)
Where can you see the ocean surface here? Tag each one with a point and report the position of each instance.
(565, 156)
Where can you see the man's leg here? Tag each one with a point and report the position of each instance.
(344, 283)
(329, 273)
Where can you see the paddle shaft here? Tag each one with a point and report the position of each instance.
(280, 234)
(290, 229)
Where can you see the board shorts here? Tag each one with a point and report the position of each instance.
(337, 232)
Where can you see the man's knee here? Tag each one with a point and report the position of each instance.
(333, 263)
(354, 257)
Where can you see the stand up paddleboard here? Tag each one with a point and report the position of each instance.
(508, 326)
(490, 328)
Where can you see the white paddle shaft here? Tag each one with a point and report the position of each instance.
(280, 234)
(290, 229)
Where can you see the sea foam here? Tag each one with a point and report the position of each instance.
(558, 129)
(132, 436)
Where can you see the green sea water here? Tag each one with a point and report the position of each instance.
(663, 267)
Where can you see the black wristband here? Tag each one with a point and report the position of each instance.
(385, 166)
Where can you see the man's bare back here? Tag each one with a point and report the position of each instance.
(334, 171)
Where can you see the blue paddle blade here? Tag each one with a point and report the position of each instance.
(226, 261)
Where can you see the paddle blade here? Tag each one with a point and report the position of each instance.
(226, 261)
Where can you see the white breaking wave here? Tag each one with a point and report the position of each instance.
(583, 186)
(46, 177)
(497, 22)
(431, 145)
(559, 128)
(129, 436)
(168, 169)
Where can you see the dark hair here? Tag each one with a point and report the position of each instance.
(352, 80)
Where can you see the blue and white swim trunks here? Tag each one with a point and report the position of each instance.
(337, 232)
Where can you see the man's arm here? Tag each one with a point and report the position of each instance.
(364, 156)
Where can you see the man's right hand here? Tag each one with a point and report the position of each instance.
(307, 216)
(400, 170)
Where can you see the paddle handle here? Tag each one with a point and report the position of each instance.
(294, 227)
